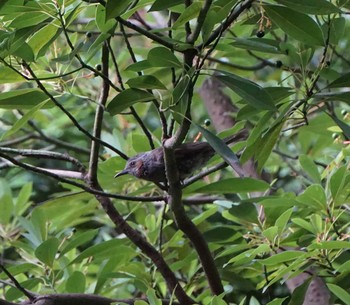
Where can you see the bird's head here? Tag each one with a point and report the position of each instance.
(134, 166)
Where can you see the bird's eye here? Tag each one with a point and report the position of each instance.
(132, 163)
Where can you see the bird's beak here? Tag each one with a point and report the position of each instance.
(123, 172)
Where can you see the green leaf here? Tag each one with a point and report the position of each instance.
(331, 245)
(277, 301)
(283, 257)
(23, 99)
(337, 183)
(188, 14)
(139, 66)
(76, 282)
(314, 196)
(47, 251)
(105, 25)
(160, 5)
(340, 293)
(23, 120)
(235, 185)
(152, 298)
(252, 93)
(128, 98)
(6, 202)
(145, 82)
(268, 142)
(103, 250)
(283, 219)
(257, 44)
(342, 81)
(116, 8)
(163, 57)
(343, 126)
(299, 26)
(222, 149)
(220, 234)
(242, 213)
(8, 76)
(78, 240)
(314, 7)
(41, 39)
(310, 168)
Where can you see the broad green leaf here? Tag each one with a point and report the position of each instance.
(314, 196)
(103, 250)
(23, 120)
(116, 8)
(23, 99)
(145, 82)
(242, 213)
(220, 234)
(343, 126)
(205, 215)
(13, 294)
(40, 40)
(78, 240)
(47, 251)
(340, 293)
(282, 221)
(299, 26)
(310, 168)
(336, 184)
(342, 81)
(160, 5)
(235, 185)
(331, 245)
(271, 233)
(222, 149)
(105, 25)
(249, 255)
(283, 257)
(139, 66)
(128, 98)
(188, 14)
(218, 300)
(302, 223)
(140, 302)
(152, 297)
(257, 44)
(268, 142)
(6, 202)
(314, 7)
(252, 93)
(277, 301)
(163, 57)
(8, 76)
(76, 282)
(335, 29)
(22, 201)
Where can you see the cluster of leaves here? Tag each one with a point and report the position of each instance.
(284, 65)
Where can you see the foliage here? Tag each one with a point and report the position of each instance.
(87, 84)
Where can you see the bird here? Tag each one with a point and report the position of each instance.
(189, 157)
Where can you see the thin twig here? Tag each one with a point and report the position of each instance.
(28, 294)
(45, 154)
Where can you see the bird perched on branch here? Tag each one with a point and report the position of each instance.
(189, 158)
